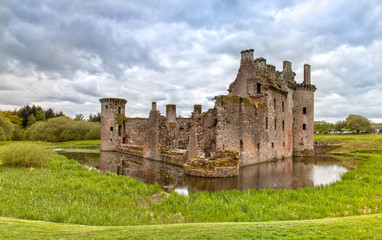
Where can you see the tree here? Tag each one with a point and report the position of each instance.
(79, 117)
(358, 123)
(323, 126)
(31, 120)
(24, 113)
(40, 115)
(49, 113)
(6, 128)
(13, 118)
(95, 118)
(340, 125)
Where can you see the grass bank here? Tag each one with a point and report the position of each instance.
(360, 227)
(64, 191)
(77, 144)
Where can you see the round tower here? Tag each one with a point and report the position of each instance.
(112, 122)
(303, 124)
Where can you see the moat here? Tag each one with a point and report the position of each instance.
(283, 174)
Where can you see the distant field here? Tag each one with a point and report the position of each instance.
(351, 142)
(360, 227)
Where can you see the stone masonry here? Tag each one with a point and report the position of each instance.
(266, 115)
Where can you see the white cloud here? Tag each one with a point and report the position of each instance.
(66, 55)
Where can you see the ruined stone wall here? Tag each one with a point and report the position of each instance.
(112, 117)
(151, 148)
(135, 129)
(276, 146)
(246, 73)
(184, 130)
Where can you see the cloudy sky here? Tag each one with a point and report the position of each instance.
(67, 54)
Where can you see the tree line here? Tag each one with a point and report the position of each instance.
(35, 123)
(353, 123)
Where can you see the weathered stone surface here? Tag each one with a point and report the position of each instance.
(112, 121)
(266, 115)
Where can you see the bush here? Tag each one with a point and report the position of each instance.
(6, 128)
(63, 129)
(24, 155)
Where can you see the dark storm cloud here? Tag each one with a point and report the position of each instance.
(68, 54)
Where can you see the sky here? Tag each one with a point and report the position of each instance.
(66, 55)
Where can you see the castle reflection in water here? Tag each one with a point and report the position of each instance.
(283, 174)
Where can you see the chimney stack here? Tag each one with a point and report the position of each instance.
(307, 74)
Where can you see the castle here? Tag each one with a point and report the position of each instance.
(266, 115)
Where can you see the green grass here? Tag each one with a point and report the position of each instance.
(90, 144)
(351, 142)
(19, 154)
(77, 144)
(360, 227)
(67, 192)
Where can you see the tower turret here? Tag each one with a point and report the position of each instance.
(303, 125)
(112, 122)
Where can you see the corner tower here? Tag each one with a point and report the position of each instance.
(112, 122)
(303, 124)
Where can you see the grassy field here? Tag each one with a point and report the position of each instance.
(351, 142)
(360, 227)
(66, 192)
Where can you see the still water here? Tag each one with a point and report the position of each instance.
(288, 174)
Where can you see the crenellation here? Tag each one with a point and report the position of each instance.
(247, 55)
(266, 115)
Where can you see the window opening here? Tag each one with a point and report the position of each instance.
(304, 110)
(283, 125)
(266, 123)
(111, 129)
(304, 126)
(274, 103)
(119, 130)
(119, 110)
(282, 106)
(259, 88)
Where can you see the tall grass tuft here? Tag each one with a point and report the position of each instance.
(24, 155)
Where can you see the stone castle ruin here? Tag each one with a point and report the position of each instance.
(266, 115)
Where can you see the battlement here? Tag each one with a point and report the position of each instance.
(247, 55)
(113, 100)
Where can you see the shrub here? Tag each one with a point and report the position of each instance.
(6, 128)
(24, 155)
(63, 129)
